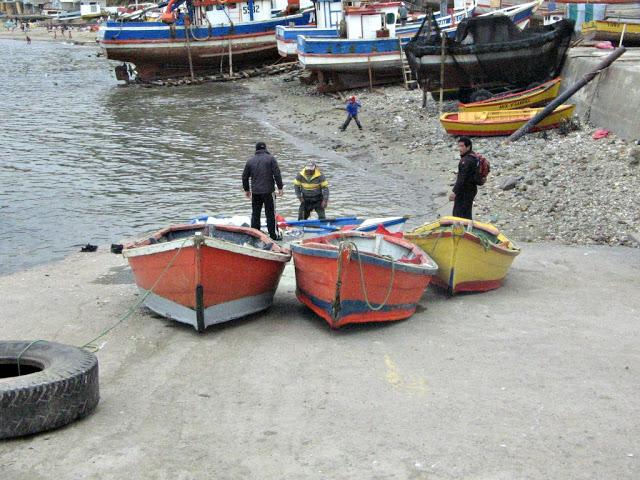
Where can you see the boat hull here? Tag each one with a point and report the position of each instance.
(489, 124)
(465, 262)
(329, 282)
(202, 282)
(162, 51)
(529, 98)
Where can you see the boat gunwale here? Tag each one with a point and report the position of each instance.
(140, 249)
(543, 87)
(560, 110)
(321, 249)
(512, 252)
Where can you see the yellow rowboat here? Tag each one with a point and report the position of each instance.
(471, 256)
(612, 31)
(501, 122)
(529, 98)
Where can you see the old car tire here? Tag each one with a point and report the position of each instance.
(58, 384)
(480, 95)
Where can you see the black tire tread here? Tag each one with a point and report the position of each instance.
(66, 390)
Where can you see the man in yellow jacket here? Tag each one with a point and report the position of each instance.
(312, 189)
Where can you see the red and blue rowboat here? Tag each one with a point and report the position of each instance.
(359, 277)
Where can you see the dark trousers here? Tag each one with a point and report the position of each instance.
(266, 199)
(463, 204)
(307, 207)
(348, 121)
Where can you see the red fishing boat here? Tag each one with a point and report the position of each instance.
(207, 274)
(357, 277)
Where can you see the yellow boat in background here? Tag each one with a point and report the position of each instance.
(471, 256)
(612, 31)
(501, 122)
(533, 97)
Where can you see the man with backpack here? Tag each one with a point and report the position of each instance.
(472, 171)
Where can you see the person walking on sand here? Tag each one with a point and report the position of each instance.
(260, 174)
(465, 188)
(312, 189)
(403, 13)
(353, 106)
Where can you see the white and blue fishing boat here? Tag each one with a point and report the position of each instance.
(371, 52)
(209, 35)
(328, 14)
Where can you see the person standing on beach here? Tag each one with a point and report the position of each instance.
(465, 188)
(312, 189)
(260, 174)
(403, 13)
(353, 106)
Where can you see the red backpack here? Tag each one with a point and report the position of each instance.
(483, 167)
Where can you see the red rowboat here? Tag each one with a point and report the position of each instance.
(207, 274)
(356, 277)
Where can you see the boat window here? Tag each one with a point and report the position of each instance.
(390, 18)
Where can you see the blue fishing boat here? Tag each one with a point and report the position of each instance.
(204, 35)
(328, 14)
(371, 53)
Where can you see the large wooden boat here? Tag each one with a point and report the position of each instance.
(471, 256)
(217, 34)
(207, 274)
(629, 33)
(489, 51)
(533, 97)
(501, 122)
(356, 277)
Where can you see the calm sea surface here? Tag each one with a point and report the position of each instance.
(83, 160)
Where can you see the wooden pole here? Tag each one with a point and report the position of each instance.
(608, 60)
(370, 74)
(187, 22)
(443, 40)
(624, 29)
(230, 57)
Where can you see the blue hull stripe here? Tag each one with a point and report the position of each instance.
(353, 307)
(140, 31)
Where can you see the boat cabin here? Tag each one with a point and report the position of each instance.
(221, 13)
(370, 21)
(328, 13)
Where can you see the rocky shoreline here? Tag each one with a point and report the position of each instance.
(560, 186)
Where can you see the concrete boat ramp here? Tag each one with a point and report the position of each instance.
(537, 380)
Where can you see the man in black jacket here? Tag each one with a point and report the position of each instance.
(465, 188)
(263, 171)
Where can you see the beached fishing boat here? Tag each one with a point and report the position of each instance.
(533, 97)
(218, 35)
(207, 274)
(371, 51)
(489, 51)
(612, 31)
(471, 256)
(357, 277)
(328, 14)
(501, 122)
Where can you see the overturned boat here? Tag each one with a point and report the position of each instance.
(357, 277)
(207, 274)
(488, 51)
(210, 36)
